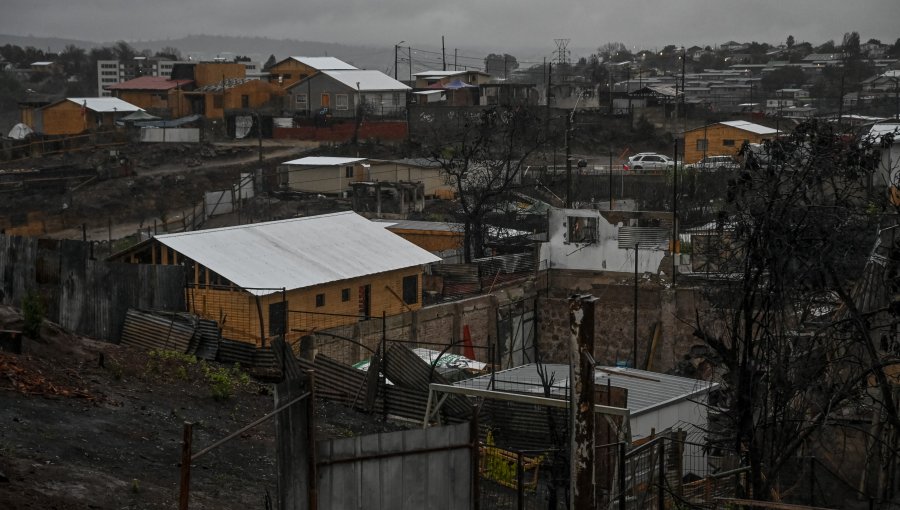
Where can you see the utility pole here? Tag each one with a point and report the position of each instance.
(610, 180)
(396, 49)
(409, 49)
(259, 135)
(675, 247)
(569, 161)
(634, 349)
(443, 54)
(683, 94)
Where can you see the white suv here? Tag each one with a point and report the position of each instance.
(649, 161)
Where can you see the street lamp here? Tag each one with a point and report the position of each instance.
(396, 48)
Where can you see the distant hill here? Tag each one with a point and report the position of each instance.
(203, 47)
(54, 44)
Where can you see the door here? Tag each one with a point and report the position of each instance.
(365, 301)
(326, 101)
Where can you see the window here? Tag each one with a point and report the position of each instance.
(728, 143)
(245, 101)
(301, 102)
(396, 99)
(411, 289)
(341, 102)
(702, 144)
(320, 300)
(345, 295)
(325, 101)
(581, 229)
(348, 171)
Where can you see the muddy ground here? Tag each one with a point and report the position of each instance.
(78, 435)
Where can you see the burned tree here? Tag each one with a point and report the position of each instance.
(483, 157)
(795, 345)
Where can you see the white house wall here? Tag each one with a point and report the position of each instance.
(602, 255)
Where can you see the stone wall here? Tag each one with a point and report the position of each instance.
(672, 310)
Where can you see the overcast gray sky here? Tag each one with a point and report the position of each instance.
(501, 25)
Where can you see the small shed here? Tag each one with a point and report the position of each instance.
(321, 174)
(655, 401)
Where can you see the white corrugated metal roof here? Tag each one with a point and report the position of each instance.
(369, 81)
(437, 74)
(299, 252)
(646, 390)
(323, 161)
(104, 104)
(751, 127)
(322, 63)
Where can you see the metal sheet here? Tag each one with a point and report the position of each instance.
(157, 331)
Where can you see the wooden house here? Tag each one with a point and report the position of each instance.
(434, 236)
(339, 92)
(75, 115)
(231, 94)
(429, 173)
(293, 69)
(426, 79)
(723, 138)
(156, 94)
(296, 276)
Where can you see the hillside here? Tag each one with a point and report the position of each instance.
(89, 424)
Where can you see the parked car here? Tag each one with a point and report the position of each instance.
(649, 161)
(713, 163)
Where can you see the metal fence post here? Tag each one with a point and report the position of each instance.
(661, 495)
(812, 480)
(621, 470)
(520, 482)
(476, 461)
(384, 397)
(311, 439)
(185, 485)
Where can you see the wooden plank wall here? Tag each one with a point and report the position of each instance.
(87, 296)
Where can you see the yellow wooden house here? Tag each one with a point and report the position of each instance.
(296, 276)
(723, 139)
(75, 115)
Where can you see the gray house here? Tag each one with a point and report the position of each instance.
(340, 91)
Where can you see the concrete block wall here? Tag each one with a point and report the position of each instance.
(433, 327)
(672, 310)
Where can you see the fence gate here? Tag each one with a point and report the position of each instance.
(407, 470)
(515, 333)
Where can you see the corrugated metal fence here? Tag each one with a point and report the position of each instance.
(407, 470)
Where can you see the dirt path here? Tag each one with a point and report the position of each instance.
(271, 152)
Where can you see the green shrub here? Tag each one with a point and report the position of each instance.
(222, 381)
